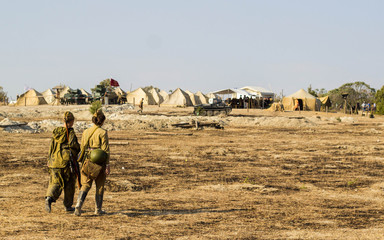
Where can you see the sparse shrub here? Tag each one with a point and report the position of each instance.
(338, 119)
(352, 183)
(246, 180)
(379, 99)
(200, 111)
(94, 106)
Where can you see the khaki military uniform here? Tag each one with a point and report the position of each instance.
(60, 153)
(99, 139)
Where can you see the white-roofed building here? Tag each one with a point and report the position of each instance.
(259, 92)
(234, 93)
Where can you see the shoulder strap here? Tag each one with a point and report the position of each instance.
(87, 144)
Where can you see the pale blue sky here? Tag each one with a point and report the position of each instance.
(195, 45)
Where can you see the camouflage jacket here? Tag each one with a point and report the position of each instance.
(60, 150)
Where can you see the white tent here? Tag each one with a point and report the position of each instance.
(49, 96)
(178, 98)
(259, 92)
(231, 93)
(136, 96)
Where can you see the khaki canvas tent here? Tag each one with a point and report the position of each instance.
(178, 98)
(156, 96)
(164, 94)
(275, 107)
(31, 98)
(325, 101)
(64, 91)
(87, 94)
(307, 102)
(120, 92)
(194, 98)
(136, 96)
(49, 96)
(203, 99)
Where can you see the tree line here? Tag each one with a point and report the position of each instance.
(358, 93)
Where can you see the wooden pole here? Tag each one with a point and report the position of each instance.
(345, 106)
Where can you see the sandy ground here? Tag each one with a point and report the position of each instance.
(266, 175)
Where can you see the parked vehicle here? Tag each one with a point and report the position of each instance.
(215, 107)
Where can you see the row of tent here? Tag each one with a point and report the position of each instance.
(33, 97)
(176, 98)
(151, 97)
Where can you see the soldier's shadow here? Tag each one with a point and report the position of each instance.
(164, 212)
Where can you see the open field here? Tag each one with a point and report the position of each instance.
(318, 177)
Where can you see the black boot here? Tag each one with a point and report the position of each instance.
(99, 204)
(69, 209)
(48, 202)
(80, 201)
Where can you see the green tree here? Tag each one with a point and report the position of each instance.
(106, 83)
(358, 92)
(317, 92)
(2, 94)
(379, 99)
(311, 91)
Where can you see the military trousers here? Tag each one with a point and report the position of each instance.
(86, 183)
(62, 179)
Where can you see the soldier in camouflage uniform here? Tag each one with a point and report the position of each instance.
(60, 153)
(98, 139)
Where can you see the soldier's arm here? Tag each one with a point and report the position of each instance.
(73, 143)
(105, 145)
(50, 151)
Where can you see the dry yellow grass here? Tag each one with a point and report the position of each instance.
(322, 182)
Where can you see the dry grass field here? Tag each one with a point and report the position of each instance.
(244, 182)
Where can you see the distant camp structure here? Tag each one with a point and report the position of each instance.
(135, 97)
(246, 97)
(178, 98)
(156, 96)
(121, 95)
(164, 94)
(85, 93)
(259, 92)
(194, 98)
(49, 96)
(325, 103)
(306, 101)
(203, 99)
(31, 98)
